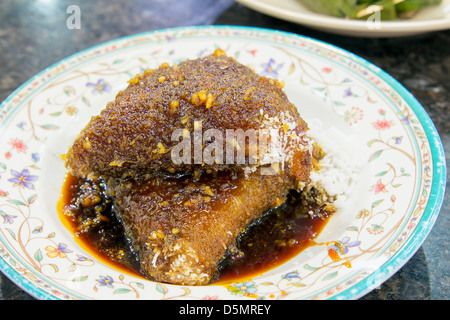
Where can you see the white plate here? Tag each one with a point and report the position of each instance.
(392, 209)
(433, 18)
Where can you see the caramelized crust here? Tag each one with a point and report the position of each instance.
(183, 226)
(133, 134)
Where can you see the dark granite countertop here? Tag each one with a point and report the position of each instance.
(33, 36)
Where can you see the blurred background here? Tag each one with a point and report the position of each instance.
(34, 35)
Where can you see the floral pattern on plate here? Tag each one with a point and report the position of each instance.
(398, 196)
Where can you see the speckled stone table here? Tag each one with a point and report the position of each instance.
(34, 35)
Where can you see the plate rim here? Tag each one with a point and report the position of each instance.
(393, 264)
(315, 21)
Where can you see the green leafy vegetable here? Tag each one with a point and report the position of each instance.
(362, 9)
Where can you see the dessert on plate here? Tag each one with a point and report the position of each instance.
(190, 156)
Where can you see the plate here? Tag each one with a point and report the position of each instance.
(433, 18)
(395, 201)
